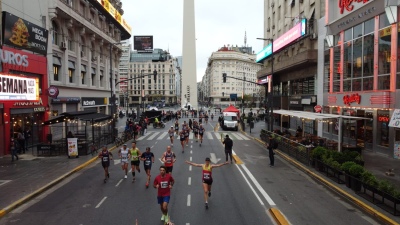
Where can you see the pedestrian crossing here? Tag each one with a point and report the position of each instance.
(157, 135)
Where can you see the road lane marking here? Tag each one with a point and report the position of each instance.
(153, 136)
(235, 135)
(190, 181)
(190, 136)
(209, 136)
(191, 151)
(188, 201)
(101, 202)
(243, 136)
(190, 158)
(190, 168)
(120, 181)
(162, 136)
(262, 191)
(251, 187)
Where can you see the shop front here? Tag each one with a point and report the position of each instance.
(90, 103)
(24, 102)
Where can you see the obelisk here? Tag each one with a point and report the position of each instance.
(189, 78)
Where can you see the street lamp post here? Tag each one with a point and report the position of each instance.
(270, 84)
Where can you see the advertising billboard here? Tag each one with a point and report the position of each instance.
(23, 34)
(117, 16)
(18, 88)
(143, 43)
(296, 32)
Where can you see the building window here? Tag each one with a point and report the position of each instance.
(70, 41)
(93, 73)
(384, 52)
(71, 75)
(55, 33)
(327, 73)
(83, 73)
(336, 69)
(383, 128)
(56, 70)
(101, 78)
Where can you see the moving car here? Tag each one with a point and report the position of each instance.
(230, 121)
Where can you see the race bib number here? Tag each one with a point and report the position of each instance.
(169, 161)
(164, 184)
(206, 176)
(105, 159)
(124, 158)
(147, 162)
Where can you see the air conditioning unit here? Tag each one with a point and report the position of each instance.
(313, 36)
(273, 26)
(301, 1)
(272, 5)
(63, 46)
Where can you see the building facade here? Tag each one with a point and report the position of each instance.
(147, 90)
(361, 73)
(237, 63)
(290, 36)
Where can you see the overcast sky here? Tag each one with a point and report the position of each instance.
(218, 23)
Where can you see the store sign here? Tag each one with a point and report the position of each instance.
(39, 109)
(53, 91)
(38, 103)
(12, 58)
(93, 101)
(347, 99)
(348, 4)
(65, 100)
(18, 88)
(318, 108)
(115, 14)
(23, 34)
(395, 120)
(383, 118)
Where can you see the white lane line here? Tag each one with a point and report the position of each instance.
(248, 183)
(209, 136)
(162, 136)
(101, 202)
(191, 151)
(190, 159)
(187, 223)
(235, 135)
(265, 195)
(190, 181)
(191, 136)
(190, 168)
(153, 136)
(120, 181)
(217, 135)
(160, 160)
(243, 136)
(188, 201)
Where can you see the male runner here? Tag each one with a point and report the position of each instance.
(182, 139)
(206, 177)
(196, 131)
(201, 133)
(148, 158)
(135, 160)
(168, 158)
(171, 135)
(176, 127)
(164, 183)
(124, 155)
(105, 157)
(186, 132)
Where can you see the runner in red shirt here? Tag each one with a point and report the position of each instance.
(164, 183)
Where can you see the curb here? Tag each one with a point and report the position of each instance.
(29, 197)
(278, 216)
(366, 208)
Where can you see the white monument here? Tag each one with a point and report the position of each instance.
(189, 77)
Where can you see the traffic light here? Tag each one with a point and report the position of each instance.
(155, 75)
(224, 77)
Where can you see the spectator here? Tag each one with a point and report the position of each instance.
(21, 141)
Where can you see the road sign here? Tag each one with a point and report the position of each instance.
(318, 108)
(233, 96)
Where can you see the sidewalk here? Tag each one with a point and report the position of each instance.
(376, 163)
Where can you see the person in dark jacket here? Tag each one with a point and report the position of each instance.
(271, 153)
(228, 148)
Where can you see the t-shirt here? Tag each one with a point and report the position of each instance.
(164, 182)
(134, 154)
(124, 155)
(207, 172)
(169, 159)
(147, 156)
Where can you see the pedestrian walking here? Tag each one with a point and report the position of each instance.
(21, 141)
(206, 176)
(148, 158)
(271, 146)
(124, 155)
(168, 158)
(228, 148)
(14, 149)
(106, 157)
(164, 183)
(135, 160)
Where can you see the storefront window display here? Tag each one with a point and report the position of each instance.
(383, 128)
(327, 67)
(336, 69)
(368, 128)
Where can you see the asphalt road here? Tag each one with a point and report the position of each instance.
(241, 193)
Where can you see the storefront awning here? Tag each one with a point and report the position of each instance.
(56, 61)
(78, 115)
(315, 116)
(97, 117)
(83, 68)
(71, 65)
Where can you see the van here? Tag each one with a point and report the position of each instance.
(230, 121)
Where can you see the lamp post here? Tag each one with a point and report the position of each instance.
(140, 90)
(270, 84)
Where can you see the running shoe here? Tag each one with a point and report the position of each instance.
(126, 176)
(197, 141)
(187, 145)
(147, 184)
(209, 194)
(200, 144)
(183, 151)
(166, 219)
(206, 205)
(108, 175)
(162, 217)
(139, 170)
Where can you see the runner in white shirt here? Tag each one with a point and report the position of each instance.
(171, 132)
(125, 156)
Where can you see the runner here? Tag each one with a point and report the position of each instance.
(201, 133)
(186, 132)
(164, 183)
(135, 159)
(171, 135)
(176, 127)
(105, 157)
(196, 131)
(124, 155)
(206, 177)
(148, 158)
(183, 140)
(168, 158)
(212, 117)
(206, 117)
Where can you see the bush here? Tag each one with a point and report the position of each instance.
(350, 156)
(319, 152)
(345, 167)
(368, 178)
(356, 170)
(336, 165)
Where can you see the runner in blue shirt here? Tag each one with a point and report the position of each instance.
(148, 158)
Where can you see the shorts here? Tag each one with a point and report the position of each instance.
(162, 199)
(105, 164)
(183, 139)
(176, 129)
(209, 182)
(201, 134)
(124, 161)
(168, 169)
(196, 133)
(135, 163)
(148, 167)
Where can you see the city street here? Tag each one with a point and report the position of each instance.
(241, 193)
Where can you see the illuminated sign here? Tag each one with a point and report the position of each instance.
(383, 118)
(347, 99)
(114, 13)
(13, 58)
(348, 4)
(18, 88)
(287, 38)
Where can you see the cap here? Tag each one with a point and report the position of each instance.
(208, 159)
(227, 136)
(125, 145)
(172, 126)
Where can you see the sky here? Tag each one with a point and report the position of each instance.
(218, 23)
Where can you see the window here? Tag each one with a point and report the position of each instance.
(70, 41)
(336, 69)
(384, 52)
(56, 69)
(101, 78)
(83, 73)
(327, 74)
(55, 33)
(71, 75)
